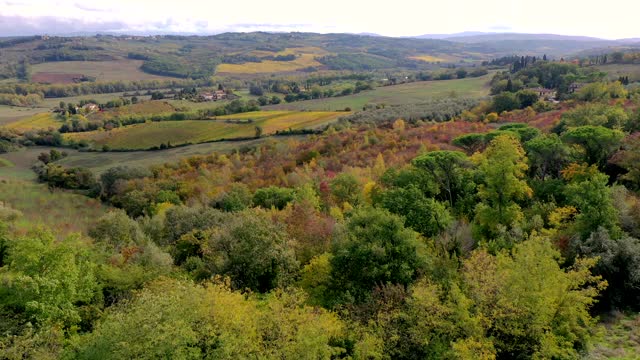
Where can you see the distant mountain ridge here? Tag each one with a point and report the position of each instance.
(478, 37)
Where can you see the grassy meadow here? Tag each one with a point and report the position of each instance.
(150, 134)
(415, 92)
(10, 114)
(61, 210)
(41, 121)
(115, 70)
(64, 211)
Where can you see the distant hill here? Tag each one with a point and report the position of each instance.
(491, 37)
(242, 53)
(449, 36)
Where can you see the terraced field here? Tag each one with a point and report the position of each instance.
(151, 134)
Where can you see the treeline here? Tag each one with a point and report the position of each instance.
(20, 100)
(11, 140)
(61, 90)
(18, 40)
(551, 75)
(618, 57)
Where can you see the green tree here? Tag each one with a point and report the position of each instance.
(346, 188)
(526, 98)
(376, 250)
(448, 170)
(529, 305)
(619, 264)
(470, 142)
(597, 142)
(424, 215)
(45, 280)
(117, 231)
(237, 198)
(629, 159)
(273, 196)
(589, 193)
(179, 320)
(502, 167)
(253, 251)
(547, 156)
(505, 101)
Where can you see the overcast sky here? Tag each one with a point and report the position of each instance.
(605, 19)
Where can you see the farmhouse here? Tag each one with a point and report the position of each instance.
(575, 87)
(206, 96)
(219, 95)
(213, 96)
(90, 107)
(544, 93)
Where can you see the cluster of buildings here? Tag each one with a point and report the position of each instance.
(213, 96)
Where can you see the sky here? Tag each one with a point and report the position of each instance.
(389, 18)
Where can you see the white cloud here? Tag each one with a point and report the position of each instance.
(395, 18)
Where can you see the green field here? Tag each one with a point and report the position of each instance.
(150, 134)
(116, 70)
(63, 211)
(415, 92)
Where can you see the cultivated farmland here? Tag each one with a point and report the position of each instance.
(305, 57)
(415, 92)
(154, 134)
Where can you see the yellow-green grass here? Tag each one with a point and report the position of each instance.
(256, 115)
(64, 212)
(5, 163)
(410, 93)
(114, 70)
(18, 163)
(427, 58)
(42, 121)
(9, 114)
(150, 134)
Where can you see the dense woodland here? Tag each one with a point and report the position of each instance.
(503, 227)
